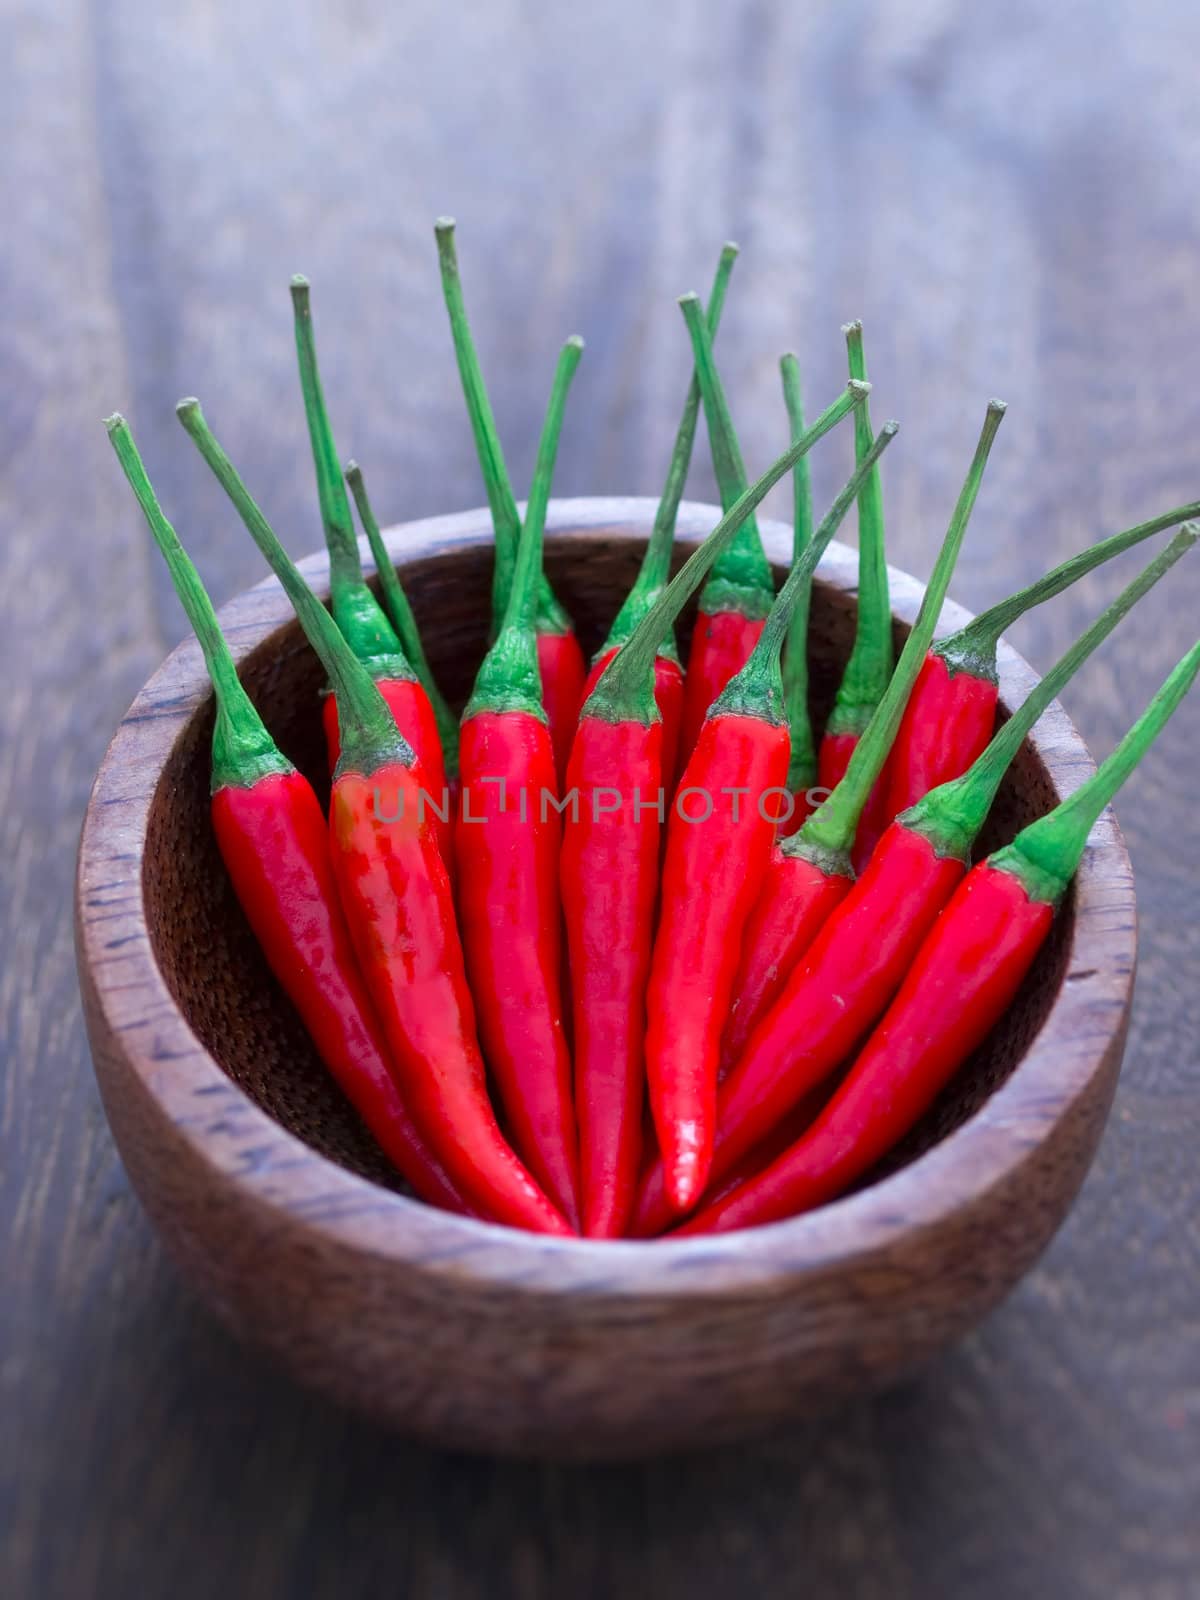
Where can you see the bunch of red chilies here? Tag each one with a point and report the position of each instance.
(595, 889)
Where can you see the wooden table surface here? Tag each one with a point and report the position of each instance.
(1007, 197)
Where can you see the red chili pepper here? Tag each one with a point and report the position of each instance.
(668, 696)
(400, 613)
(952, 711)
(509, 837)
(563, 669)
(715, 860)
(810, 872)
(740, 591)
(964, 978)
(355, 609)
(802, 768)
(858, 960)
(560, 658)
(616, 801)
(655, 570)
(870, 665)
(789, 1131)
(395, 891)
(274, 842)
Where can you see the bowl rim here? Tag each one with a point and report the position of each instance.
(173, 1068)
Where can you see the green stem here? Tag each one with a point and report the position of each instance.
(870, 664)
(403, 620)
(802, 769)
(242, 750)
(655, 570)
(973, 648)
(369, 736)
(625, 692)
(506, 518)
(741, 580)
(951, 816)
(509, 678)
(359, 615)
(1045, 855)
(757, 690)
(828, 835)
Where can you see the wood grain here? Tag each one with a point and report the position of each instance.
(1006, 198)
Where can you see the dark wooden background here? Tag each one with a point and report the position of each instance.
(1007, 195)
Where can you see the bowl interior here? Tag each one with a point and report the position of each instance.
(209, 958)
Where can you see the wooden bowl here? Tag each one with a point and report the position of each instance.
(278, 1208)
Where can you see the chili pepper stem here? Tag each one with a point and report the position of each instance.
(655, 569)
(741, 581)
(368, 731)
(345, 569)
(1045, 855)
(243, 750)
(951, 816)
(757, 690)
(509, 678)
(625, 691)
(506, 518)
(802, 770)
(870, 665)
(401, 614)
(830, 831)
(973, 648)
(359, 615)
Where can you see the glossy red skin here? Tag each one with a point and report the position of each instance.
(794, 903)
(832, 760)
(509, 915)
(396, 893)
(833, 757)
(860, 957)
(947, 724)
(802, 809)
(792, 1128)
(963, 980)
(564, 672)
(839, 989)
(413, 715)
(721, 645)
(609, 892)
(668, 696)
(275, 845)
(711, 877)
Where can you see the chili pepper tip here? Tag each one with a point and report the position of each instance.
(114, 422)
(852, 327)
